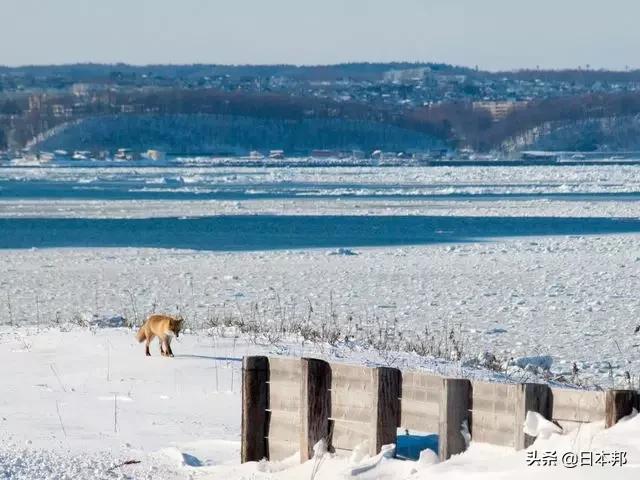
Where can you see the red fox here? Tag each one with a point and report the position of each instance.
(162, 326)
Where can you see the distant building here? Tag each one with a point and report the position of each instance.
(408, 75)
(35, 102)
(59, 110)
(501, 109)
(87, 89)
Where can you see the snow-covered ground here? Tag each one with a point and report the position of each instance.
(85, 403)
(77, 399)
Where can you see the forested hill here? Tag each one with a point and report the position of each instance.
(397, 106)
(236, 135)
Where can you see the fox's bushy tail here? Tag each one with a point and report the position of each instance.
(141, 336)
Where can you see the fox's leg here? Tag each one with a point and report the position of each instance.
(168, 348)
(163, 350)
(146, 347)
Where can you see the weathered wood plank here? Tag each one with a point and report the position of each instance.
(420, 402)
(347, 440)
(388, 384)
(284, 365)
(281, 449)
(255, 375)
(493, 404)
(284, 425)
(494, 397)
(499, 411)
(284, 400)
(493, 415)
(495, 437)
(351, 385)
(421, 380)
(618, 404)
(455, 403)
(315, 405)
(488, 422)
(420, 422)
(351, 413)
(346, 435)
(532, 397)
(426, 395)
(417, 407)
(284, 370)
(493, 390)
(342, 371)
(348, 399)
(351, 378)
(362, 427)
(577, 406)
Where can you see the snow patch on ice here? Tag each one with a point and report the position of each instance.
(533, 363)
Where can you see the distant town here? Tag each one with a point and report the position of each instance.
(360, 109)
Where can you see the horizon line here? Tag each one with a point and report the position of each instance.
(323, 65)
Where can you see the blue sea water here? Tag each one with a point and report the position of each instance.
(262, 232)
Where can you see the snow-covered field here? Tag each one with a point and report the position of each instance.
(79, 396)
(78, 400)
(85, 403)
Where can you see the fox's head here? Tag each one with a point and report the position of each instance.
(176, 325)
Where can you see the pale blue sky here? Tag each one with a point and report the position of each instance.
(494, 34)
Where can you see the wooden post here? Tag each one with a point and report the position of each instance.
(534, 397)
(315, 405)
(255, 401)
(387, 388)
(618, 404)
(455, 408)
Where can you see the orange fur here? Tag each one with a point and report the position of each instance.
(162, 326)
